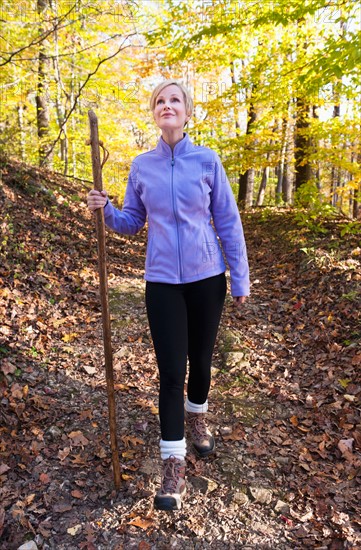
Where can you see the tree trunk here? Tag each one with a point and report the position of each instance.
(262, 188)
(21, 131)
(248, 202)
(234, 82)
(236, 117)
(60, 109)
(315, 145)
(281, 164)
(335, 171)
(246, 180)
(302, 164)
(287, 179)
(356, 205)
(74, 163)
(42, 107)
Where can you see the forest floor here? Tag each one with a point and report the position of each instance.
(284, 403)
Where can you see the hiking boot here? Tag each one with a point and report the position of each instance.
(202, 439)
(173, 485)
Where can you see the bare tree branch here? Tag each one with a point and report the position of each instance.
(57, 25)
(52, 57)
(71, 110)
(39, 39)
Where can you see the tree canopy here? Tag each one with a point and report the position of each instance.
(277, 88)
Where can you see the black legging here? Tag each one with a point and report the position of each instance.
(183, 321)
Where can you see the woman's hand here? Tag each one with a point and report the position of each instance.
(239, 300)
(96, 199)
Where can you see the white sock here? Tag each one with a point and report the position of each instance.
(173, 448)
(194, 408)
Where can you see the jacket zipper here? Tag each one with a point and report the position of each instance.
(177, 226)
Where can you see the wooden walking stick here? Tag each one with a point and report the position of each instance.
(97, 166)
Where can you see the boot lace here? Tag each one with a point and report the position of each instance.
(198, 425)
(171, 474)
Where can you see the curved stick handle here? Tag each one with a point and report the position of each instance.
(95, 151)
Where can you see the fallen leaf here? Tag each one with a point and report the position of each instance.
(16, 391)
(101, 452)
(345, 445)
(86, 414)
(78, 438)
(62, 507)
(44, 528)
(294, 420)
(89, 370)
(121, 387)
(130, 439)
(62, 454)
(78, 459)
(6, 330)
(127, 476)
(4, 468)
(306, 517)
(350, 398)
(236, 435)
(29, 499)
(44, 478)
(70, 337)
(141, 522)
(7, 367)
(39, 402)
(77, 494)
(128, 454)
(74, 530)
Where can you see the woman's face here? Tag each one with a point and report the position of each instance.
(170, 110)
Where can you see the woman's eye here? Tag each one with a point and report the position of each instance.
(173, 99)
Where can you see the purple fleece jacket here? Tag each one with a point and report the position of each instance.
(182, 193)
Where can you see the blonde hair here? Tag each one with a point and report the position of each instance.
(188, 101)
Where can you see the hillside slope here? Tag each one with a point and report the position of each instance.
(285, 399)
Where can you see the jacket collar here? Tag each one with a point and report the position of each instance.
(181, 148)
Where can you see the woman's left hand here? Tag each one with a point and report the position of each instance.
(239, 300)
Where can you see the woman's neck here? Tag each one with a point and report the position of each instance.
(172, 137)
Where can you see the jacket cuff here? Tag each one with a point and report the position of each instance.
(240, 289)
(107, 205)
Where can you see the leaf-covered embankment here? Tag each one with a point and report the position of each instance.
(285, 399)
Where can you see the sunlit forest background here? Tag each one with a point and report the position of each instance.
(276, 84)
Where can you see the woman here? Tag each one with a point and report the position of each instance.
(182, 188)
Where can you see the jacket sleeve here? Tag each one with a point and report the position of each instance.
(227, 222)
(132, 217)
